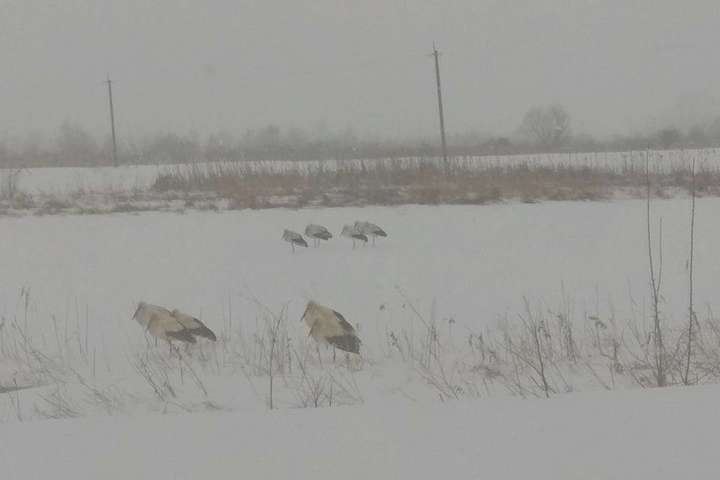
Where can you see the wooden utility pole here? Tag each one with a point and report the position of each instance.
(112, 123)
(436, 55)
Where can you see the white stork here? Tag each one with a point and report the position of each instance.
(351, 232)
(171, 325)
(370, 229)
(294, 238)
(317, 233)
(327, 325)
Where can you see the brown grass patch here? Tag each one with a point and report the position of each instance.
(430, 183)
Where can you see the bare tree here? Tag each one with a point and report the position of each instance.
(655, 283)
(691, 310)
(548, 125)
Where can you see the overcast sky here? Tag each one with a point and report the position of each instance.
(189, 65)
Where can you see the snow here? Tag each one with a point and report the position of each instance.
(471, 264)
(658, 434)
(72, 282)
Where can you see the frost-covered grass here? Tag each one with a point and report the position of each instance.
(130, 177)
(269, 184)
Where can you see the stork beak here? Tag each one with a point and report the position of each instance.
(136, 311)
(305, 313)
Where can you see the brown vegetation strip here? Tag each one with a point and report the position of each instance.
(430, 184)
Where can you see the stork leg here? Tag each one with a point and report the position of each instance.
(334, 353)
(373, 237)
(317, 348)
(180, 366)
(292, 245)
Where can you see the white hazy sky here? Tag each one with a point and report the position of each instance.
(189, 65)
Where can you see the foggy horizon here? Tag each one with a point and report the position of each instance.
(617, 67)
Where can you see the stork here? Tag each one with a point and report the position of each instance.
(327, 325)
(370, 229)
(317, 233)
(353, 233)
(171, 325)
(294, 238)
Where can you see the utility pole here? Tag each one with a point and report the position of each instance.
(112, 123)
(436, 55)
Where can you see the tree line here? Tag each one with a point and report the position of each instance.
(543, 129)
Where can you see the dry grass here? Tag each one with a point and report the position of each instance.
(415, 180)
(396, 182)
(538, 354)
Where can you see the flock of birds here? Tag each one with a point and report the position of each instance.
(357, 232)
(326, 326)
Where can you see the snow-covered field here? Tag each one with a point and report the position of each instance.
(71, 283)
(474, 264)
(659, 435)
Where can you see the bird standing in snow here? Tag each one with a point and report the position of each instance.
(354, 234)
(317, 233)
(370, 230)
(294, 238)
(171, 325)
(329, 326)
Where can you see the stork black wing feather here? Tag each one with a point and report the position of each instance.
(204, 332)
(344, 323)
(182, 335)
(347, 343)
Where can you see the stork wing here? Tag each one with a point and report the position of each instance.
(347, 343)
(193, 325)
(182, 335)
(344, 324)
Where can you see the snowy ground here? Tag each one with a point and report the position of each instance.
(475, 264)
(658, 434)
(71, 284)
